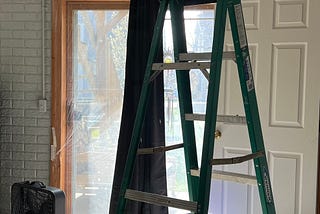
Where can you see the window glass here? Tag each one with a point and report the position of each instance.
(98, 65)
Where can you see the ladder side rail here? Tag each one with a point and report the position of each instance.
(212, 106)
(184, 93)
(250, 105)
(141, 109)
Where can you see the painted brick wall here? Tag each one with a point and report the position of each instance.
(24, 130)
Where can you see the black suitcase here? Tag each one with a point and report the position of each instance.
(36, 198)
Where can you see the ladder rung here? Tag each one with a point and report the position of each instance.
(220, 118)
(229, 176)
(236, 160)
(180, 66)
(227, 55)
(160, 200)
(146, 151)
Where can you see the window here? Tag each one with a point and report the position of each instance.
(95, 99)
(89, 41)
(87, 100)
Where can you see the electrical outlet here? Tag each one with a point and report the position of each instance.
(43, 105)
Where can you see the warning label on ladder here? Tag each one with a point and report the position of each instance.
(240, 25)
(267, 186)
(248, 73)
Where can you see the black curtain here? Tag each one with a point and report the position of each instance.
(150, 171)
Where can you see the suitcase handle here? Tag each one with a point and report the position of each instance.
(38, 184)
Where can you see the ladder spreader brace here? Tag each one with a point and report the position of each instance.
(199, 180)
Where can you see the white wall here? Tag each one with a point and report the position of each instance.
(24, 130)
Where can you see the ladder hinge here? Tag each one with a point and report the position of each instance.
(236, 160)
(148, 151)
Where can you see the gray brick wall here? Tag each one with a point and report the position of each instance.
(24, 130)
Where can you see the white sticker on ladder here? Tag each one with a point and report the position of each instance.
(248, 73)
(240, 25)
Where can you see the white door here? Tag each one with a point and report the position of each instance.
(283, 37)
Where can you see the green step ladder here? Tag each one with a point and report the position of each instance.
(199, 182)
